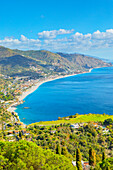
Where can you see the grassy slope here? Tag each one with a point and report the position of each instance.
(78, 119)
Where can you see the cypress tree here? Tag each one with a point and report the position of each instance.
(58, 149)
(20, 134)
(92, 157)
(78, 159)
(103, 156)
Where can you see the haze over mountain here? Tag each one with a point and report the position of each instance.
(36, 63)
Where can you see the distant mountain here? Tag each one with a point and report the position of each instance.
(36, 63)
(81, 61)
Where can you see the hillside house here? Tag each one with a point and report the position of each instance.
(85, 165)
(52, 131)
(75, 126)
(16, 131)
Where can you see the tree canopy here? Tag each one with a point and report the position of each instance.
(25, 155)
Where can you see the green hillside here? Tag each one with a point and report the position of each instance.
(6, 52)
(47, 58)
(36, 63)
(17, 65)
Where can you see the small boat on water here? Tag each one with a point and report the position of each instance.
(26, 108)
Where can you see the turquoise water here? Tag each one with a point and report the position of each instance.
(83, 93)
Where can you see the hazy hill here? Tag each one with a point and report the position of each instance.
(39, 62)
(82, 61)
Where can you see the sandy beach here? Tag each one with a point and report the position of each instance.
(12, 107)
(33, 88)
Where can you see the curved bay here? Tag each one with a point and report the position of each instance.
(83, 93)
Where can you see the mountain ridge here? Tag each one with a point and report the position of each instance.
(41, 62)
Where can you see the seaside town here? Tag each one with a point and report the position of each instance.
(12, 129)
(14, 89)
(90, 132)
(56, 85)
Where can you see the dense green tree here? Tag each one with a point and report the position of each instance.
(108, 122)
(24, 155)
(64, 151)
(107, 164)
(97, 167)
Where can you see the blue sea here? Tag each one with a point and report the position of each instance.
(82, 93)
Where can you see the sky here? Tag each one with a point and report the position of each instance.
(70, 26)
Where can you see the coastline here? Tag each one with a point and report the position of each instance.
(35, 87)
(12, 107)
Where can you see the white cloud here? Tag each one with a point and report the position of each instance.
(53, 33)
(76, 41)
(23, 38)
(22, 43)
(107, 35)
(110, 31)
